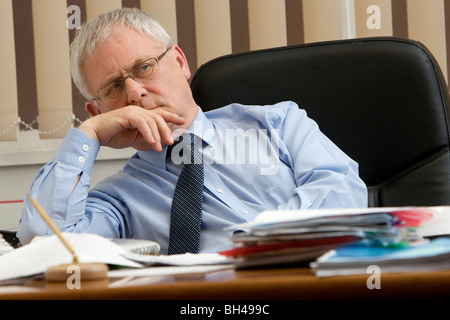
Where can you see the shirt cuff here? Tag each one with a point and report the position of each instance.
(78, 150)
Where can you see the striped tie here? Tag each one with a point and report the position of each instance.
(186, 213)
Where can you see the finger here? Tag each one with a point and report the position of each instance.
(164, 130)
(170, 117)
(153, 124)
(146, 129)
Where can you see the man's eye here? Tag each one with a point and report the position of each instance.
(115, 87)
(143, 69)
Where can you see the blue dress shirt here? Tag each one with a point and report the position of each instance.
(256, 158)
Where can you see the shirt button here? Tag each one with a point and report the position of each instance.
(244, 211)
(81, 159)
(219, 190)
(85, 147)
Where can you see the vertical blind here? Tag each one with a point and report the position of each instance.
(36, 90)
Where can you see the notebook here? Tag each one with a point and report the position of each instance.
(138, 246)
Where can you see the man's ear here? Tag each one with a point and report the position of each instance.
(92, 108)
(182, 61)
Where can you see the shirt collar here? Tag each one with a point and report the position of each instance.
(200, 127)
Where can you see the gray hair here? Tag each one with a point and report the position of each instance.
(94, 32)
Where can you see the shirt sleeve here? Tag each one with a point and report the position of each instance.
(61, 186)
(325, 176)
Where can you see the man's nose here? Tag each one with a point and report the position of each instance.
(135, 91)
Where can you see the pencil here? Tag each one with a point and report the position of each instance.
(55, 229)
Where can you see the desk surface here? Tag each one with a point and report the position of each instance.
(229, 284)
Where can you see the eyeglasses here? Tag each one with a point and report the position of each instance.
(143, 71)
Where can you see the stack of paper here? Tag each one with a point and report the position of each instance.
(358, 258)
(277, 237)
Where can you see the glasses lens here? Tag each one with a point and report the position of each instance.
(112, 90)
(145, 70)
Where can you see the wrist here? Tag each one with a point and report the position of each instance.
(77, 150)
(88, 130)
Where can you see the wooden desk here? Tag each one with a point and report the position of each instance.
(264, 284)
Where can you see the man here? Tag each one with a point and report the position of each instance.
(136, 82)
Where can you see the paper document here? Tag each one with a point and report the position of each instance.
(165, 271)
(187, 259)
(439, 225)
(37, 256)
(319, 216)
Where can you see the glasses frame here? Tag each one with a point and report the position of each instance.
(130, 74)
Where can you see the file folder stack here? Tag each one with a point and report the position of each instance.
(359, 258)
(286, 237)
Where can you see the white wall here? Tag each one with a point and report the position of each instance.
(16, 180)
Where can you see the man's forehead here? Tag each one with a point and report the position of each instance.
(119, 53)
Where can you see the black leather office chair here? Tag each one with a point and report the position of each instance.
(384, 101)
